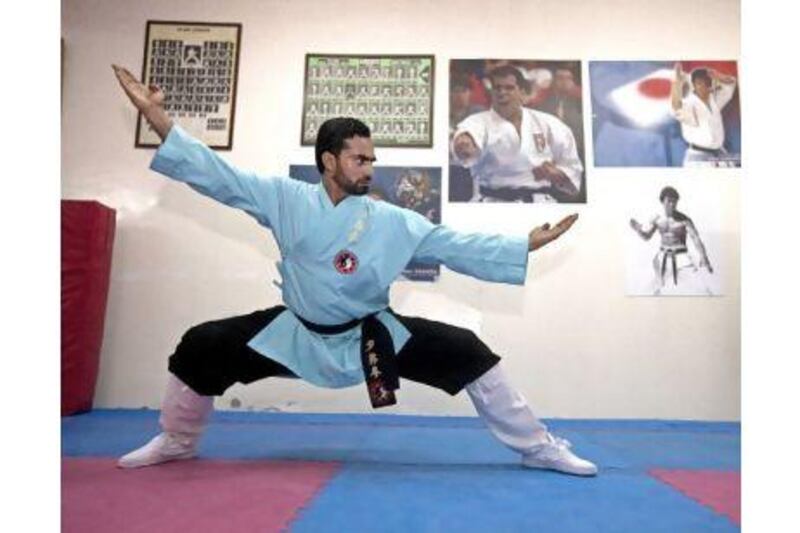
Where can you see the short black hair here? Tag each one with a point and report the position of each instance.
(669, 192)
(333, 133)
(701, 74)
(503, 71)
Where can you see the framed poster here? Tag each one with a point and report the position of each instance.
(681, 113)
(673, 239)
(415, 188)
(541, 160)
(196, 64)
(393, 95)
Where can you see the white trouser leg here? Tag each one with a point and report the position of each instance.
(506, 412)
(183, 418)
(183, 410)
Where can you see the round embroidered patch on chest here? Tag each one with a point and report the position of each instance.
(346, 262)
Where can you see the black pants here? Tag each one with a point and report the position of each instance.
(214, 355)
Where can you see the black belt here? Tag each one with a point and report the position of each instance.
(377, 356)
(513, 194)
(712, 151)
(668, 253)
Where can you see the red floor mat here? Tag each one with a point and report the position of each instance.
(196, 496)
(719, 490)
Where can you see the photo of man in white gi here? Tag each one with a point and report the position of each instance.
(514, 153)
(700, 115)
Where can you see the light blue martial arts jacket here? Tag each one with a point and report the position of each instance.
(377, 239)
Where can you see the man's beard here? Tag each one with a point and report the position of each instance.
(357, 189)
(354, 189)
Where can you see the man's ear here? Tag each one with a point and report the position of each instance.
(329, 162)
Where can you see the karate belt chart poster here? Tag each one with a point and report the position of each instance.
(196, 66)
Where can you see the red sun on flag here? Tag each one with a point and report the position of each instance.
(645, 101)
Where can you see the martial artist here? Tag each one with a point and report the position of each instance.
(340, 252)
(674, 269)
(700, 115)
(517, 154)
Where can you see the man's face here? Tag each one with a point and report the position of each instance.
(702, 87)
(506, 94)
(670, 204)
(353, 172)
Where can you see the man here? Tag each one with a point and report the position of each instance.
(517, 154)
(340, 253)
(701, 117)
(675, 271)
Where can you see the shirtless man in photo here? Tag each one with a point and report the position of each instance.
(673, 265)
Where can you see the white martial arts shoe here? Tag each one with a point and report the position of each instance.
(162, 448)
(183, 418)
(555, 454)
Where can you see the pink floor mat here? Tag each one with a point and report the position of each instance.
(719, 490)
(194, 495)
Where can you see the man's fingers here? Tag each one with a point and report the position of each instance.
(567, 222)
(125, 77)
(569, 219)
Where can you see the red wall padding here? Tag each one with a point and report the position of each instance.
(87, 238)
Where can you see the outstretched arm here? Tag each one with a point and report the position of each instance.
(148, 100)
(497, 258)
(186, 159)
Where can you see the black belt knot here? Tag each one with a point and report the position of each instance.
(670, 253)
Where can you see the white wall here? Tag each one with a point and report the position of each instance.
(573, 343)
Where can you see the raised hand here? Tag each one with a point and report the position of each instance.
(543, 234)
(148, 100)
(143, 97)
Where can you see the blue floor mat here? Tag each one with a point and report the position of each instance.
(410, 473)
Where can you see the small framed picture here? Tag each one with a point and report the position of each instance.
(196, 65)
(375, 89)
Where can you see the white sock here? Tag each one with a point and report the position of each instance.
(183, 410)
(506, 412)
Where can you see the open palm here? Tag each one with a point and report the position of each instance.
(142, 96)
(543, 234)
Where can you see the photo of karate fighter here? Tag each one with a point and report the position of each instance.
(512, 151)
(665, 114)
(340, 251)
(698, 109)
(674, 269)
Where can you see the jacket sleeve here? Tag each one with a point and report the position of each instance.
(497, 258)
(184, 158)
